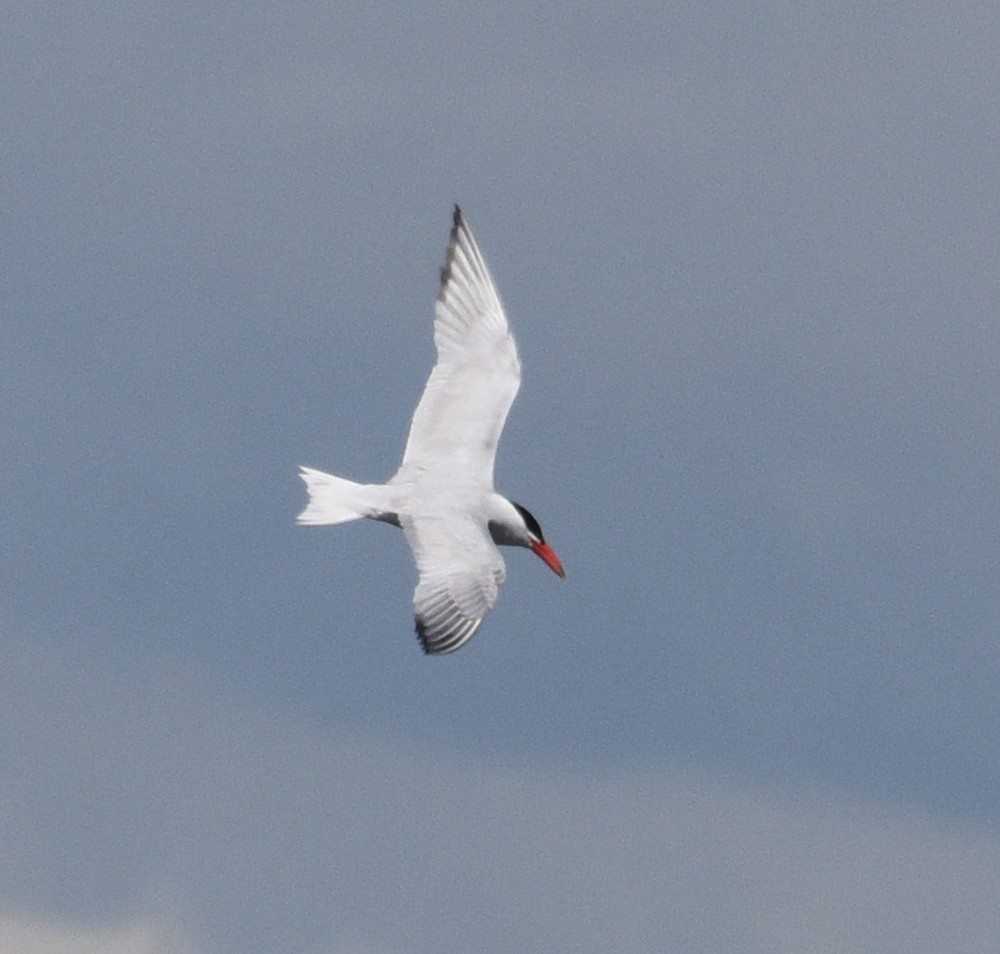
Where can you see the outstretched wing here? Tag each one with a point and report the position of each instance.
(460, 572)
(458, 422)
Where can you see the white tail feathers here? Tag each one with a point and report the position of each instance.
(335, 500)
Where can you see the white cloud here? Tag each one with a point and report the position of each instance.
(270, 833)
(24, 935)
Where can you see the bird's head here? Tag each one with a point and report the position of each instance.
(527, 532)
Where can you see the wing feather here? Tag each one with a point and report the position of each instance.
(457, 424)
(460, 572)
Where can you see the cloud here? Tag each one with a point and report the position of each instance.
(269, 834)
(21, 935)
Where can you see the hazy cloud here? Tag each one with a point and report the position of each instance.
(258, 832)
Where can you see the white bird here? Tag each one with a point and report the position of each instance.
(442, 496)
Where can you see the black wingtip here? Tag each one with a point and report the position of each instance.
(422, 636)
(457, 222)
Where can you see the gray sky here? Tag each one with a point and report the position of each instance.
(751, 262)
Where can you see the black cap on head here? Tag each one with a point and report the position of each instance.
(534, 528)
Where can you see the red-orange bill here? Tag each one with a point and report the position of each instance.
(549, 556)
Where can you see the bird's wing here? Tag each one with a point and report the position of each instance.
(458, 421)
(460, 572)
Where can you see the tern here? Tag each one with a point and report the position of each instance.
(442, 495)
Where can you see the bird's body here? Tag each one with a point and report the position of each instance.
(442, 496)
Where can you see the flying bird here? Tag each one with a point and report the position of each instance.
(442, 496)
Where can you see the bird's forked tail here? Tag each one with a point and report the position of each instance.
(334, 499)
